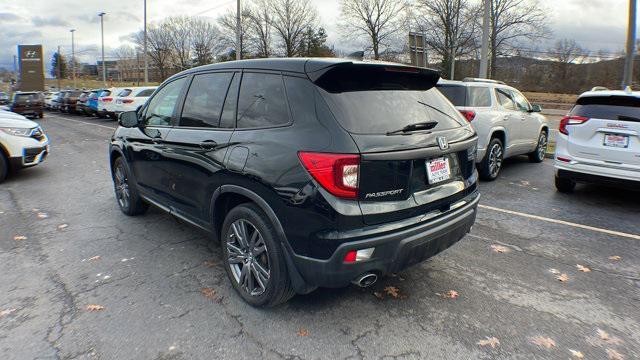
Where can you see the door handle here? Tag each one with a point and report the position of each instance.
(208, 144)
(505, 118)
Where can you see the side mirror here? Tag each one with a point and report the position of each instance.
(536, 108)
(129, 119)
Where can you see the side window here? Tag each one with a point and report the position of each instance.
(228, 118)
(521, 102)
(479, 97)
(161, 106)
(203, 104)
(504, 98)
(262, 101)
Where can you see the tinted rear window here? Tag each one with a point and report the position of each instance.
(456, 94)
(473, 96)
(105, 93)
(382, 111)
(145, 93)
(608, 107)
(125, 92)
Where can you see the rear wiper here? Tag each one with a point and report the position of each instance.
(628, 118)
(428, 125)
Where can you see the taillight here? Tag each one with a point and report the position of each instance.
(337, 173)
(107, 99)
(570, 120)
(127, 101)
(468, 114)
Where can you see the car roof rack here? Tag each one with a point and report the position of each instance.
(470, 79)
(600, 88)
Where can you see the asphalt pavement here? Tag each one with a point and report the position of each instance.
(80, 280)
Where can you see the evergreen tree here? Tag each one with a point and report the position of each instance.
(55, 60)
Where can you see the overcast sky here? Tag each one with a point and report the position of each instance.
(595, 24)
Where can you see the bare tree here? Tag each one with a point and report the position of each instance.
(568, 51)
(450, 29)
(158, 48)
(291, 18)
(227, 24)
(126, 62)
(511, 21)
(379, 20)
(205, 41)
(260, 28)
(179, 29)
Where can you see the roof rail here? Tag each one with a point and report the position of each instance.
(470, 79)
(600, 88)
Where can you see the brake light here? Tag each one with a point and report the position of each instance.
(127, 101)
(468, 114)
(570, 120)
(350, 257)
(337, 173)
(107, 99)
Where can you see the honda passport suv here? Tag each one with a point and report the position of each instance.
(506, 123)
(312, 173)
(599, 141)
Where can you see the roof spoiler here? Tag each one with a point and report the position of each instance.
(351, 76)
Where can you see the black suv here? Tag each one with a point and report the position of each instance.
(311, 172)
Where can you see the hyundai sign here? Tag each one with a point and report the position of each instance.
(31, 68)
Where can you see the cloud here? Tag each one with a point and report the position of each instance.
(9, 17)
(50, 21)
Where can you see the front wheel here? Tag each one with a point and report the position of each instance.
(537, 156)
(4, 167)
(129, 201)
(492, 162)
(253, 257)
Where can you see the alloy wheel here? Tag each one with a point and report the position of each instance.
(248, 257)
(121, 185)
(495, 160)
(542, 145)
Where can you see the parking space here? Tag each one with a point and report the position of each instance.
(81, 280)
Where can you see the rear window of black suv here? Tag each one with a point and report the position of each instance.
(608, 107)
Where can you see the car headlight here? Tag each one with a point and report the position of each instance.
(17, 131)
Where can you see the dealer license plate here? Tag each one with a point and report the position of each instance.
(438, 170)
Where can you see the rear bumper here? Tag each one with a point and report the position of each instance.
(598, 179)
(394, 250)
(583, 170)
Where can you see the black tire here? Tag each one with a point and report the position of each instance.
(277, 289)
(537, 156)
(4, 166)
(565, 185)
(127, 196)
(41, 115)
(494, 155)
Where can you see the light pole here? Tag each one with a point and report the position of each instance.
(73, 58)
(484, 52)
(104, 66)
(631, 43)
(144, 54)
(238, 29)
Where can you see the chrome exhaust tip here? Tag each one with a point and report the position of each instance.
(365, 280)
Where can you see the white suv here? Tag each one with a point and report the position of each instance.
(130, 99)
(506, 123)
(599, 141)
(22, 143)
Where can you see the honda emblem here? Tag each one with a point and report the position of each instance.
(442, 143)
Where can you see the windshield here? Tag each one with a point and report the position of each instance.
(383, 111)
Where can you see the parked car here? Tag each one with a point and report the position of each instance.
(49, 98)
(92, 102)
(69, 101)
(304, 187)
(56, 102)
(106, 102)
(81, 104)
(599, 141)
(132, 98)
(4, 98)
(27, 103)
(506, 123)
(22, 143)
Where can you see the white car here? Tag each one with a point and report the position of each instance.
(48, 99)
(107, 103)
(22, 143)
(131, 98)
(506, 123)
(599, 141)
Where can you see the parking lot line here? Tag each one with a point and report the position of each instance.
(562, 222)
(84, 122)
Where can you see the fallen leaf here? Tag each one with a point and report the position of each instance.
(490, 341)
(543, 342)
(303, 332)
(42, 215)
(19, 238)
(209, 293)
(97, 257)
(614, 355)
(95, 307)
(500, 249)
(451, 294)
(171, 348)
(62, 226)
(392, 291)
(563, 277)
(35, 210)
(554, 271)
(583, 268)
(379, 295)
(615, 258)
(6, 312)
(209, 263)
(604, 336)
(576, 354)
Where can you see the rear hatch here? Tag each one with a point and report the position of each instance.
(606, 128)
(406, 173)
(27, 101)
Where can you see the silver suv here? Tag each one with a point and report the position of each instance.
(506, 123)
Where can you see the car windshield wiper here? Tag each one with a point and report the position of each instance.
(428, 125)
(628, 118)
